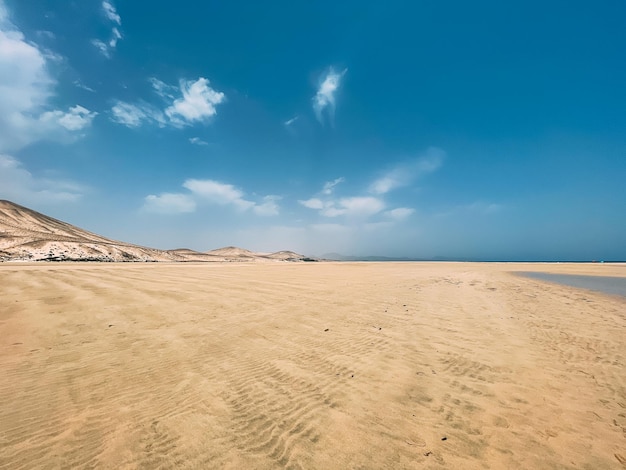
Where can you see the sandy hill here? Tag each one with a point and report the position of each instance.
(233, 252)
(27, 235)
(288, 256)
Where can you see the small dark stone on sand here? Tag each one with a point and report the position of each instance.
(110, 326)
(326, 329)
(380, 328)
(444, 438)
(352, 375)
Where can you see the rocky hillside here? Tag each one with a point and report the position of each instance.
(27, 235)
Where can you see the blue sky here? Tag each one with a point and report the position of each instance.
(489, 130)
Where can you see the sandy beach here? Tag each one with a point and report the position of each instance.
(309, 365)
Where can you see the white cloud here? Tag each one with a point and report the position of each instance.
(115, 36)
(400, 213)
(198, 102)
(313, 203)
(329, 186)
(169, 203)
(102, 47)
(19, 185)
(403, 175)
(268, 207)
(361, 206)
(218, 193)
(352, 207)
(357, 206)
(134, 115)
(81, 85)
(75, 119)
(324, 99)
(106, 48)
(111, 13)
(326, 205)
(26, 91)
(197, 141)
(163, 89)
(210, 191)
(289, 122)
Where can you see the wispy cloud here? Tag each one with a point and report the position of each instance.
(404, 174)
(400, 213)
(134, 115)
(196, 101)
(289, 122)
(324, 99)
(75, 119)
(362, 207)
(313, 203)
(169, 203)
(18, 184)
(218, 193)
(110, 13)
(198, 141)
(162, 89)
(268, 207)
(329, 186)
(211, 192)
(107, 48)
(82, 86)
(356, 206)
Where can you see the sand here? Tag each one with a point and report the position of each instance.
(317, 365)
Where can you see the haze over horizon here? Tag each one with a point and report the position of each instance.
(468, 131)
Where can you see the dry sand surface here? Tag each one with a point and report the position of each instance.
(321, 365)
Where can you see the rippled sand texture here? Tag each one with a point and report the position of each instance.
(321, 365)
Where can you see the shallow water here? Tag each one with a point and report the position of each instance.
(604, 284)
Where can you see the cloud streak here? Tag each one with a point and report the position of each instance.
(134, 115)
(196, 102)
(110, 13)
(324, 100)
(218, 193)
(210, 192)
(197, 141)
(364, 206)
(18, 184)
(404, 174)
(169, 203)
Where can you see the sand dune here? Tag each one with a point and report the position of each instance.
(27, 235)
(323, 365)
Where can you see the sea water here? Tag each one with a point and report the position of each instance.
(605, 284)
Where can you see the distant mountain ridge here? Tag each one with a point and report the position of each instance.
(340, 257)
(28, 235)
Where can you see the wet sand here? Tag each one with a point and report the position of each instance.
(316, 365)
